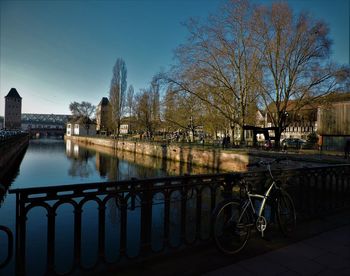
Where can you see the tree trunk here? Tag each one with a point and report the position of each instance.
(242, 140)
(118, 128)
(232, 134)
(278, 133)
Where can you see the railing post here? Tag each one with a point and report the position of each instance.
(166, 219)
(101, 231)
(9, 245)
(227, 192)
(183, 212)
(21, 218)
(51, 240)
(77, 235)
(231, 180)
(199, 213)
(146, 219)
(123, 226)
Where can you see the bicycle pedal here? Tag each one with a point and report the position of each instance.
(267, 238)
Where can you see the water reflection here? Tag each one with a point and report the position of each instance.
(7, 179)
(79, 157)
(116, 165)
(50, 162)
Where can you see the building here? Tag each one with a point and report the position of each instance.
(13, 110)
(333, 120)
(124, 129)
(328, 117)
(127, 125)
(303, 123)
(300, 122)
(102, 111)
(81, 127)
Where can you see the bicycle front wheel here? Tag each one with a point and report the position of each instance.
(286, 214)
(231, 228)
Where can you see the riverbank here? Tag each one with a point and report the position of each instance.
(211, 157)
(222, 159)
(10, 149)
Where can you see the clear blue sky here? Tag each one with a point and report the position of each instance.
(56, 52)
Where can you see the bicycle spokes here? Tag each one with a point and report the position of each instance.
(231, 230)
(286, 214)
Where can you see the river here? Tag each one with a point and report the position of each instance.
(48, 162)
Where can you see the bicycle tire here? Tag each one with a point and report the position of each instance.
(286, 215)
(230, 234)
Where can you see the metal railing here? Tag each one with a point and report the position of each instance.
(191, 199)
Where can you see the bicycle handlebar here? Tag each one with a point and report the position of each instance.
(266, 163)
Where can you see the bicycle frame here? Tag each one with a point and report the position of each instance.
(248, 202)
(264, 197)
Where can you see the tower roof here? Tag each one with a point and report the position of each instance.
(13, 94)
(104, 101)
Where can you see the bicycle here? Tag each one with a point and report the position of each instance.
(233, 218)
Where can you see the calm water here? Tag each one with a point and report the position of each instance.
(50, 162)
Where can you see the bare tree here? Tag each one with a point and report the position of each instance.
(182, 111)
(83, 109)
(155, 94)
(117, 94)
(218, 62)
(130, 100)
(147, 110)
(84, 112)
(143, 112)
(294, 51)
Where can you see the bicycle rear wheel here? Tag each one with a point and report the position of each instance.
(231, 228)
(286, 216)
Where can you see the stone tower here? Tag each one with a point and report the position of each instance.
(13, 110)
(102, 114)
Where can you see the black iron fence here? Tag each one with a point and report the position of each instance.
(180, 206)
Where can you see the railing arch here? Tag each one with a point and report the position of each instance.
(71, 202)
(8, 232)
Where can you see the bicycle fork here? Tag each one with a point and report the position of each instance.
(260, 220)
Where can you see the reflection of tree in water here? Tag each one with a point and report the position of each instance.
(175, 218)
(102, 163)
(113, 211)
(80, 165)
(113, 170)
(7, 179)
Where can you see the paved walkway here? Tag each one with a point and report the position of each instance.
(324, 254)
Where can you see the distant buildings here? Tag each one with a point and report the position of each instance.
(30, 122)
(81, 127)
(328, 117)
(87, 127)
(333, 123)
(300, 123)
(13, 110)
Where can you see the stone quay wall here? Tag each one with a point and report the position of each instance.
(10, 149)
(220, 159)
